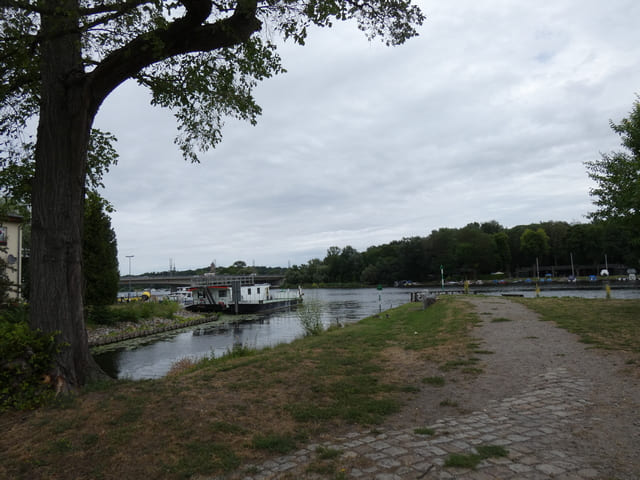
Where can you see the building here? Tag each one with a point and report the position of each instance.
(11, 250)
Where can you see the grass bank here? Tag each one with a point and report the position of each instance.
(210, 418)
(604, 323)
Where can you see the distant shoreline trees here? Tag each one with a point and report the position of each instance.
(473, 252)
(468, 253)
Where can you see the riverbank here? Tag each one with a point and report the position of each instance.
(153, 357)
(106, 334)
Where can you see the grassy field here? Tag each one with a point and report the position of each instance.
(215, 416)
(604, 323)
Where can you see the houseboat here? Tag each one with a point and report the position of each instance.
(237, 294)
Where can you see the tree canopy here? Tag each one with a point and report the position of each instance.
(617, 175)
(535, 242)
(100, 253)
(59, 61)
(198, 57)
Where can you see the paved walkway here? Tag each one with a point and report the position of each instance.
(539, 420)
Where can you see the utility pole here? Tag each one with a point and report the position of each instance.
(129, 292)
(573, 273)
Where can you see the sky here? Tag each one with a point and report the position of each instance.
(489, 114)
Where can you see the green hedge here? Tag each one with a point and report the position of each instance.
(26, 357)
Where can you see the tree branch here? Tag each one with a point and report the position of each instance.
(113, 11)
(119, 8)
(184, 35)
(197, 11)
(26, 6)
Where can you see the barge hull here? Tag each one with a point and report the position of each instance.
(261, 307)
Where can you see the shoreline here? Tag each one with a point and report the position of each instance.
(105, 335)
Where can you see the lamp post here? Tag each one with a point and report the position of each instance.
(129, 292)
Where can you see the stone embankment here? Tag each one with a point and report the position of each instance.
(128, 330)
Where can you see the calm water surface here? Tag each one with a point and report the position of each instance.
(154, 357)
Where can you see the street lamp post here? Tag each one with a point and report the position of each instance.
(129, 292)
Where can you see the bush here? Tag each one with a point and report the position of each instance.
(125, 313)
(26, 357)
(101, 315)
(130, 312)
(310, 317)
(14, 313)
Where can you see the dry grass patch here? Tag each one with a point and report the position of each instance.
(181, 366)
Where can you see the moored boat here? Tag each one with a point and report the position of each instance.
(183, 295)
(237, 294)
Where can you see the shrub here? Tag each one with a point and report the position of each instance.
(14, 313)
(26, 357)
(131, 312)
(126, 313)
(310, 317)
(101, 315)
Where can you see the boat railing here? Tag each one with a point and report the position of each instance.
(222, 280)
(282, 294)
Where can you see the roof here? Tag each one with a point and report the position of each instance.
(11, 217)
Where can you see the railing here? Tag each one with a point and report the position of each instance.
(222, 280)
(156, 281)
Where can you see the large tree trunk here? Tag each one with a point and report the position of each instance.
(58, 196)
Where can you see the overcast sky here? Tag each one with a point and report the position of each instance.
(489, 114)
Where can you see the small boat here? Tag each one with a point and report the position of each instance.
(237, 294)
(183, 295)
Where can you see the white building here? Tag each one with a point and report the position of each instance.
(11, 250)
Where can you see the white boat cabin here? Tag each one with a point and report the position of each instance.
(239, 293)
(223, 295)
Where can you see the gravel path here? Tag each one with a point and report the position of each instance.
(560, 409)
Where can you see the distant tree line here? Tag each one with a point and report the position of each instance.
(238, 267)
(472, 252)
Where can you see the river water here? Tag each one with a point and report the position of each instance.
(153, 356)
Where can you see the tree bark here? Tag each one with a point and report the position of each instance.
(56, 303)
